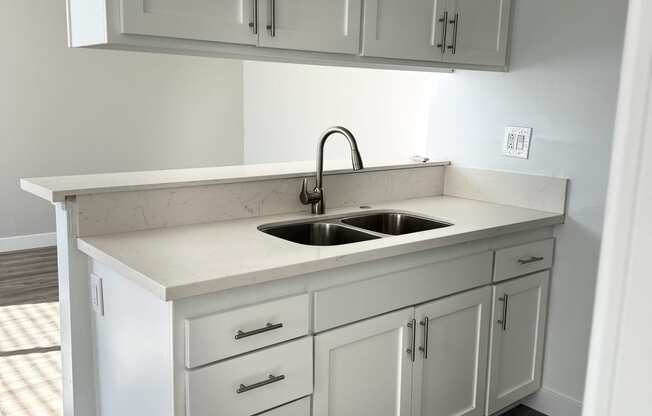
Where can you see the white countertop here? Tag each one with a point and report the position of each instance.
(191, 260)
(57, 188)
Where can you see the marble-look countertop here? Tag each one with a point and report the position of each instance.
(183, 261)
(57, 188)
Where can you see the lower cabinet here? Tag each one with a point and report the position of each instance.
(428, 360)
(364, 368)
(517, 339)
(451, 365)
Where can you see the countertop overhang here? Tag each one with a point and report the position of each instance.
(57, 188)
(191, 260)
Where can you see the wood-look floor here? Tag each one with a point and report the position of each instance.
(30, 367)
(28, 276)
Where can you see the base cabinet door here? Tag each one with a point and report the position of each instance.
(477, 32)
(451, 365)
(212, 20)
(365, 368)
(316, 25)
(517, 339)
(405, 30)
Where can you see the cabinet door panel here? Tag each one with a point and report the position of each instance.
(312, 25)
(404, 30)
(450, 380)
(364, 369)
(482, 30)
(212, 20)
(517, 347)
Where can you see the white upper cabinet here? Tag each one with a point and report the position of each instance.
(211, 20)
(366, 33)
(365, 368)
(517, 339)
(477, 32)
(405, 30)
(311, 25)
(470, 32)
(451, 366)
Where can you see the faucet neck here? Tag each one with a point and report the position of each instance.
(356, 158)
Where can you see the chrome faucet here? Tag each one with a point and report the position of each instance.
(316, 197)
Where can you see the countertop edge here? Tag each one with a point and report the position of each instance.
(295, 269)
(121, 268)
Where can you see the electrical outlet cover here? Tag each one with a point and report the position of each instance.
(517, 142)
(97, 294)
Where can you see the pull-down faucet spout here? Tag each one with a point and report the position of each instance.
(316, 197)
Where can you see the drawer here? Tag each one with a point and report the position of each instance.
(216, 337)
(297, 408)
(526, 258)
(251, 383)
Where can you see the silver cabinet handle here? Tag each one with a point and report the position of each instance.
(269, 327)
(454, 22)
(272, 26)
(444, 24)
(254, 23)
(532, 259)
(270, 379)
(426, 327)
(503, 321)
(413, 338)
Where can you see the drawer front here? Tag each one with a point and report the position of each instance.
(349, 303)
(252, 383)
(297, 408)
(222, 335)
(526, 258)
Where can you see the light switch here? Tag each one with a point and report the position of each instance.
(517, 142)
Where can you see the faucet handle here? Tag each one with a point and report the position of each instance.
(306, 196)
(303, 194)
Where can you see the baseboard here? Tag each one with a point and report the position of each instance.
(27, 242)
(553, 403)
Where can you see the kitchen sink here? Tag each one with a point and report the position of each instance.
(394, 223)
(318, 234)
(346, 229)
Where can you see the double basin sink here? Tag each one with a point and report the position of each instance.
(351, 228)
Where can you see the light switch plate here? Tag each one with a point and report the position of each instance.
(97, 294)
(517, 142)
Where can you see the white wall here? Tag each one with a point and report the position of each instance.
(286, 107)
(70, 111)
(563, 81)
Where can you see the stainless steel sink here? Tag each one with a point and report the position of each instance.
(394, 223)
(351, 228)
(318, 234)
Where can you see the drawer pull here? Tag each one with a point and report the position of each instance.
(532, 259)
(270, 379)
(269, 327)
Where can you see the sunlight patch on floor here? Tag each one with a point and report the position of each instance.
(30, 367)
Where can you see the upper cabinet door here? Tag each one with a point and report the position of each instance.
(517, 339)
(311, 25)
(451, 366)
(365, 368)
(477, 32)
(212, 20)
(412, 29)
